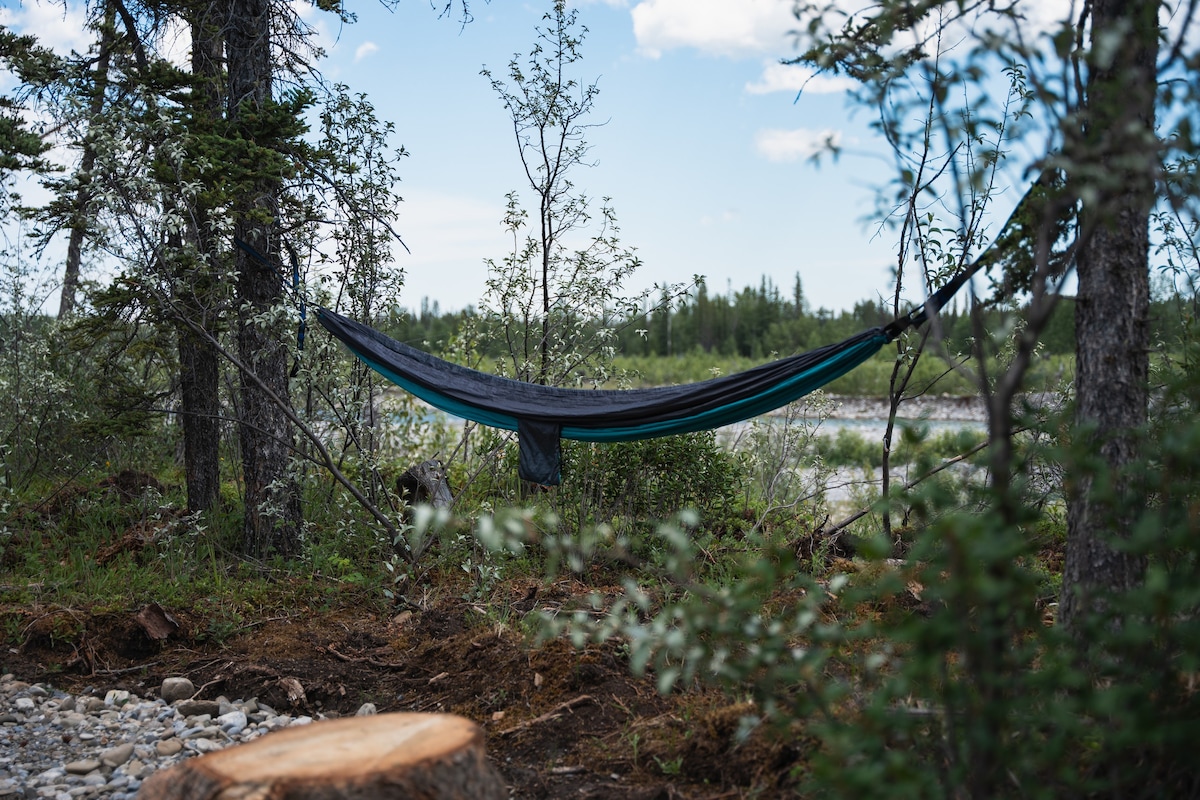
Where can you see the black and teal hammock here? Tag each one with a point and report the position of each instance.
(543, 415)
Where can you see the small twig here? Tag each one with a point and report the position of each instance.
(213, 682)
(622, 706)
(256, 623)
(374, 662)
(205, 665)
(549, 715)
(126, 669)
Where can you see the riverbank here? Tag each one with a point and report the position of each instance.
(947, 408)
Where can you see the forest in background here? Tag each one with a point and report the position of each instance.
(685, 340)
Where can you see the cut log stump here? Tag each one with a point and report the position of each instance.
(425, 483)
(379, 757)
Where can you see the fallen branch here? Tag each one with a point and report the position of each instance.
(549, 715)
(126, 669)
(374, 662)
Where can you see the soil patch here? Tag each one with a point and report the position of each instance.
(560, 722)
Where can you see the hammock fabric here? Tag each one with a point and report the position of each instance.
(542, 415)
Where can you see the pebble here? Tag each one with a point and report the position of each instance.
(60, 747)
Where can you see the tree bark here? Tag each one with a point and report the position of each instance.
(271, 496)
(1115, 163)
(199, 377)
(199, 370)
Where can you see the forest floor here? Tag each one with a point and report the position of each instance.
(559, 722)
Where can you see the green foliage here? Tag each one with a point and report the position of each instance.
(119, 541)
(785, 469)
(850, 448)
(977, 695)
(36, 67)
(627, 485)
(51, 420)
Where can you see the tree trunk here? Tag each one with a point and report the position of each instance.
(83, 194)
(271, 498)
(1116, 157)
(199, 377)
(199, 370)
(383, 757)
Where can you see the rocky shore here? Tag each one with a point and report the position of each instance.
(104, 744)
(932, 407)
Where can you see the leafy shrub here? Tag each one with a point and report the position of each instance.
(625, 484)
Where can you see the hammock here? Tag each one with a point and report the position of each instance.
(542, 415)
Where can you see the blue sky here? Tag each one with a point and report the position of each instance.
(703, 151)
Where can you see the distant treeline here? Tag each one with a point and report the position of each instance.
(759, 321)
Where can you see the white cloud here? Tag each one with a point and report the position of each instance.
(715, 27)
(365, 49)
(777, 77)
(780, 145)
(62, 29)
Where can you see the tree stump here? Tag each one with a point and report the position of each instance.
(425, 483)
(379, 757)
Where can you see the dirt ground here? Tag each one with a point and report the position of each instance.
(560, 722)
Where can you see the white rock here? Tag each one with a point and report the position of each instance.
(233, 722)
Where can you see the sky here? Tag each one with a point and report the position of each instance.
(702, 144)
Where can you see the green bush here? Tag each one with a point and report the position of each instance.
(630, 484)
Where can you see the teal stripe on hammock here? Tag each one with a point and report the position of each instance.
(439, 401)
(781, 394)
